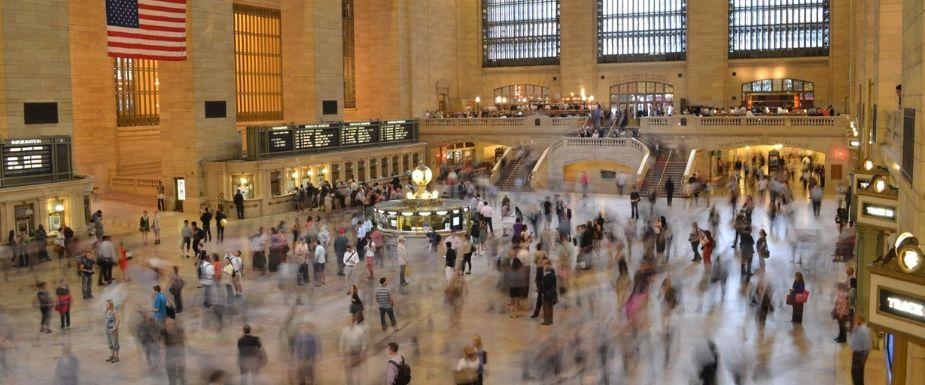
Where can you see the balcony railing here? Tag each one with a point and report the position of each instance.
(743, 125)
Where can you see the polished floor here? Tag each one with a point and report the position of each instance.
(590, 342)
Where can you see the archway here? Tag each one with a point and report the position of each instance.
(516, 94)
(642, 98)
(778, 93)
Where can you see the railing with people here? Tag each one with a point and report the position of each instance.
(538, 176)
(749, 123)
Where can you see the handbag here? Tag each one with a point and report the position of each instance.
(801, 298)
(790, 299)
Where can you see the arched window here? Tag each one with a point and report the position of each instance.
(765, 28)
(520, 32)
(516, 93)
(631, 31)
(642, 98)
(773, 93)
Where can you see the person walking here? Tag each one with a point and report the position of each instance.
(144, 226)
(798, 296)
(160, 307)
(237, 273)
(174, 353)
(251, 356)
(550, 291)
(85, 265)
(841, 312)
(106, 259)
(112, 321)
(206, 279)
(762, 248)
(694, 238)
(352, 347)
(634, 204)
(707, 244)
(221, 219)
(340, 248)
(351, 259)
(320, 260)
(63, 304)
(483, 357)
(386, 303)
(43, 303)
(747, 248)
(239, 203)
(402, 253)
(450, 261)
(206, 220)
(176, 289)
(394, 363)
(156, 227)
(669, 191)
(67, 370)
(467, 369)
(305, 350)
(161, 204)
(186, 234)
(860, 348)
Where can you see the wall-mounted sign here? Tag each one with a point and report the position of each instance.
(181, 189)
(35, 160)
(879, 211)
(901, 305)
(265, 141)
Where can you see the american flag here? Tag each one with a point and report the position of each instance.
(146, 29)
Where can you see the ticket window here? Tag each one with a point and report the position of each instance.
(348, 171)
(405, 162)
(384, 167)
(416, 159)
(55, 210)
(243, 183)
(25, 219)
(373, 168)
(277, 184)
(361, 171)
(292, 180)
(395, 170)
(335, 173)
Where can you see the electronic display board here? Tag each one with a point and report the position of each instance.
(34, 160)
(268, 141)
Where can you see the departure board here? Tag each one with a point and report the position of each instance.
(358, 133)
(280, 139)
(264, 141)
(396, 131)
(27, 159)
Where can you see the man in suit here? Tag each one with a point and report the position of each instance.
(239, 203)
(538, 280)
(550, 291)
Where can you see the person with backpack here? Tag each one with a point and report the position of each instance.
(397, 370)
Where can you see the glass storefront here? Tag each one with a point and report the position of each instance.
(55, 209)
(243, 183)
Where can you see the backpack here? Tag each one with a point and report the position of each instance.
(404, 372)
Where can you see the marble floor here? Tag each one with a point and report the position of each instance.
(590, 342)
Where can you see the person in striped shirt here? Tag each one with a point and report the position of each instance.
(384, 298)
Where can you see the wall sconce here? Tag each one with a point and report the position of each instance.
(59, 206)
(242, 181)
(908, 253)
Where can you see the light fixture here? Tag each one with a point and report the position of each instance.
(324, 170)
(435, 194)
(309, 172)
(909, 256)
(409, 195)
(854, 143)
(478, 99)
(868, 164)
(879, 184)
(295, 175)
(59, 206)
(242, 181)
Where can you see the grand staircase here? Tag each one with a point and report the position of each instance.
(668, 165)
(517, 169)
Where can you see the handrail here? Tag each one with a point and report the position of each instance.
(496, 170)
(665, 168)
(590, 142)
(687, 169)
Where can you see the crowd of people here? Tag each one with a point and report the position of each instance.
(544, 255)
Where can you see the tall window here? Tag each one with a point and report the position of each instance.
(778, 28)
(136, 92)
(525, 92)
(350, 86)
(520, 32)
(632, 30)
(258, 63)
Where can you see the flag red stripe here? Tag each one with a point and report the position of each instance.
(161, 28)
(161, 8)
(146, 46)
(145, 37)
(173, 1)
(151, 57)
(162, 18)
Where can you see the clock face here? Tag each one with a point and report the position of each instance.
(911, 259)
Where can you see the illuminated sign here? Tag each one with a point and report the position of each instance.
(20, 142)
(181, 189)
(883, 212)
(903, 306)
(265, 141)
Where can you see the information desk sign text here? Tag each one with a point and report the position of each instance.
(879, 211)
(901, 305)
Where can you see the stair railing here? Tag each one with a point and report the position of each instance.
(664, 168)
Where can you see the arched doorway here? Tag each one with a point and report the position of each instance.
(778, 93)
(516, 94)
(642, 98)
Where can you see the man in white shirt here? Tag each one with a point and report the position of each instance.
(487, 213)
(320, 259)
(237, 266)
(206, 276)
(402, 260)
(351, 259)
(352, 346)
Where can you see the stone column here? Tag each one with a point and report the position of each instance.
(187, 138)
(915, 364)
(312, 69)
(707, 52)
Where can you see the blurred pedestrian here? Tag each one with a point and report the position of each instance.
(111, 321)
